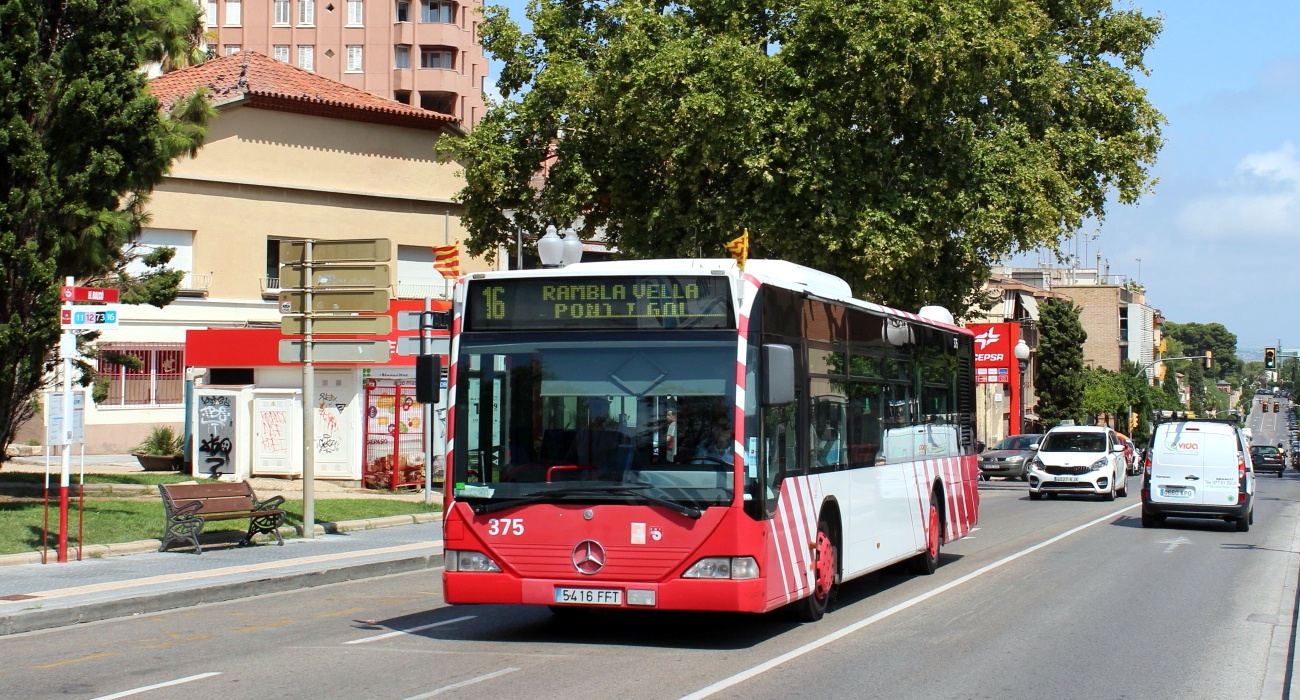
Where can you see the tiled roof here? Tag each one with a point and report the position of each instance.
(271, 84)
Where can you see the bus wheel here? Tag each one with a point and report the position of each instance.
(926, 562)
(812, 608)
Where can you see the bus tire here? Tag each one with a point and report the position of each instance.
(927, 561)
(825, 568)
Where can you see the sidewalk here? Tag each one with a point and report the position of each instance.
(36, 596)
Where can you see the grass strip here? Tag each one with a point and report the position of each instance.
(108, 521)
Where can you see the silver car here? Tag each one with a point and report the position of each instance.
(1010, 457)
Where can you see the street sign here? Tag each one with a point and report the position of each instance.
(336, 351)
(409, 345)
(339, 325)
(371, 250)
(336, 300)
(95, 317)
(101, 295)
(333, 276)
(410, 320)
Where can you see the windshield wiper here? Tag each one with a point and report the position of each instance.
(481, 508)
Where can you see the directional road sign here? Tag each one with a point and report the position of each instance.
(336, 300)
(333, 276)
(371, 250)
(338, 325)
(336, 351)
(409, 345)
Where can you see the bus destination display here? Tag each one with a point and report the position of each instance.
(599, 303)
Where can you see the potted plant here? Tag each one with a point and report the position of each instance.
(161, 451)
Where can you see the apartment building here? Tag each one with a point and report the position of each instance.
(422, 53)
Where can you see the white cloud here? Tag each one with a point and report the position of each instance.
(1262, 200)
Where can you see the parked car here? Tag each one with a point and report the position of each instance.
(1267, 458)
(1079, 459)
(1199, 469)
(1010, 456)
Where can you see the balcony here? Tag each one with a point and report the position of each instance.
(422, 291)
(270, 287)
(195, 284)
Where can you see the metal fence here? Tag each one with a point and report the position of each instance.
(160, 380)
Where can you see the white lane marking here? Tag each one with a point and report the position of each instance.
(156, 686)
(861, 624)
(1173, 543)
(462, 684)
(412, 630)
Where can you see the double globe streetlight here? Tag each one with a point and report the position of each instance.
(559, 252)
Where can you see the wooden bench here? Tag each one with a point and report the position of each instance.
(189, 506)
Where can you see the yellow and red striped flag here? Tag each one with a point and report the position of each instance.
(446, 260)
(739, 249)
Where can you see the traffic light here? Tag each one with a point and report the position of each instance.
(1270, 358)
(1209, 359)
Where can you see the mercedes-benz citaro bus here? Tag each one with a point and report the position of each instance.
(685, 435)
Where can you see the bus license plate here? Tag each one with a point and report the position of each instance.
(589, 596)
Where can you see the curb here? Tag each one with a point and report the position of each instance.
(45, 618)
(96, 551)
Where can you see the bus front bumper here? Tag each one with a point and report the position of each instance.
(719, 595)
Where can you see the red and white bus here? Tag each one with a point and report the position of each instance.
(588, 404)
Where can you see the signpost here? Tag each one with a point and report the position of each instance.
(325, 283)
(66, 425)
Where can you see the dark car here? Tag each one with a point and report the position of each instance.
(1010, 457)
(1267, 458)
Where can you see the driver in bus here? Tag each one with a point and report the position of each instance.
(715, 445)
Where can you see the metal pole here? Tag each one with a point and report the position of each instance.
(308, 402)
(68, 346)
(429, 433)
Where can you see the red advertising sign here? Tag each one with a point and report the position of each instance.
(95, 294)
(995, 352)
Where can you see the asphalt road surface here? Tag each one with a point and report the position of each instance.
(1064, 598)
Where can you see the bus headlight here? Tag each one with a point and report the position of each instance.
(463, 560)
(723, 567)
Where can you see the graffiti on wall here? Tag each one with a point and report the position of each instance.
(216, 432)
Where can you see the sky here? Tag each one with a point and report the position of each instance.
(1217, 240)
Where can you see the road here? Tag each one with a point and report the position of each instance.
(1066, 598)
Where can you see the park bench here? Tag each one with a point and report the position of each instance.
(189, 506)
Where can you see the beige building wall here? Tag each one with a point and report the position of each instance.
(269, 174)
(1099, 316)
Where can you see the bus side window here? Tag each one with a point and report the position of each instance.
(778, 458)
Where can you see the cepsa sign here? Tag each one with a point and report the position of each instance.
(993, 351)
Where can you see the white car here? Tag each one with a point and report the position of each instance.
(1079, 459)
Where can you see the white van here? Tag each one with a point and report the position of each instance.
(1199, 469)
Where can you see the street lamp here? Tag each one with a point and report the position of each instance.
(550, 248)
(1022, 356)
(572, 247)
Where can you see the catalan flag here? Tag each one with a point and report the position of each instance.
(446, 260)
(739, 249)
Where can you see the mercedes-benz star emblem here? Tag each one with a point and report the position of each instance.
(588, 557)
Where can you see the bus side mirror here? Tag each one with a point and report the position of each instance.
(778, 377)
(428, 378)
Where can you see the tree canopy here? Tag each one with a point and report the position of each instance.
(1195, 338)
(1060, 379)
(901, 145)
(82, 143)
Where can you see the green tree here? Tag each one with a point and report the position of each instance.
(1196, 389)
(1105, 395)
(901, 145)
(1172, 398)
(1197, 338)
(1059, 381)
(82, 143)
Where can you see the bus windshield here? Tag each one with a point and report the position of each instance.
(596, 417)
